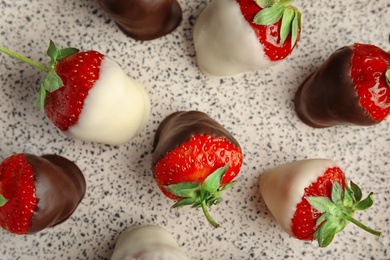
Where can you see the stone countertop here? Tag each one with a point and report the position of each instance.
(257, 107)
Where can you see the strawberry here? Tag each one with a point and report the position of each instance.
(17, 194)
(276, 23)
(195, 159)
(87, 96)
(78, 73)
(235, 36)
(351, 87)
(311, 200)
(144, 20)
(38, 192)
(147, 242)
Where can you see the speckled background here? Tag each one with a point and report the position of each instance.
(256, 107)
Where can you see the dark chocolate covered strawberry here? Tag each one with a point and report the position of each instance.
(144, 19)
(235, 36)
(88, 96)
(195, 159)
(352, 87)
(37, 192)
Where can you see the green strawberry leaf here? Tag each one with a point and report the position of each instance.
(349, 199)
(322, 204)
(357, 192)
(51, 83)
(213, 181)
(52, 52)
(63, 53)
(225, 187)
(325, 234)
(337, 193)
(273, 11)
(184, 202)
(322, 218)
(184, 189)
(295, 26)
(201, 195)
(3, 200)
(57, 54)
(285, 27)
(40, 102)
(337, 211)
(269, 15)
(388, 77)
(366, 203)
(265, 3)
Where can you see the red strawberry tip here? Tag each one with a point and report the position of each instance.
(337, 211)
(272, 11)
(201, 195)
(2, 200)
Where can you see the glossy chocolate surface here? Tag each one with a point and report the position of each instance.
(179, 128)
(144, 19)
(328, 97)
(59, 185)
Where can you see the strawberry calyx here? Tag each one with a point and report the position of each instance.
(201, 195)
(274, 10)
(336, 212)
(2, 200)
(52, 81)
(388, 77)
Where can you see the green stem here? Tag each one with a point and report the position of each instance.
(24, 59)
(208, 216)
(362, 226)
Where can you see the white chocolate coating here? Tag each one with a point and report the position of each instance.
(147, 243)
(225, 43)
(115, 110)
(282, 188)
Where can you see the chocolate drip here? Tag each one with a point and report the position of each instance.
(179, 128)
(144, 19)
(328, 97)
(59, 185)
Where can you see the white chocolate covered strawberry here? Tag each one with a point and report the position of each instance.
(147, 242)
(235, 36)
(115, 110)
(311, 200)
(88, 96)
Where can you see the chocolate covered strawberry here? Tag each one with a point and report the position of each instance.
(87, 96)
(147, 242)
(195, 159)
(235, 36)
(144, 19)
(311, 200)
(352, 87)
(37, 192)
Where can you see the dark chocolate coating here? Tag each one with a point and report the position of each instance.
(328, 96)
(59, 187)
(144, 19)
(179, 128)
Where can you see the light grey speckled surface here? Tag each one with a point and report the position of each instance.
(256, 107)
